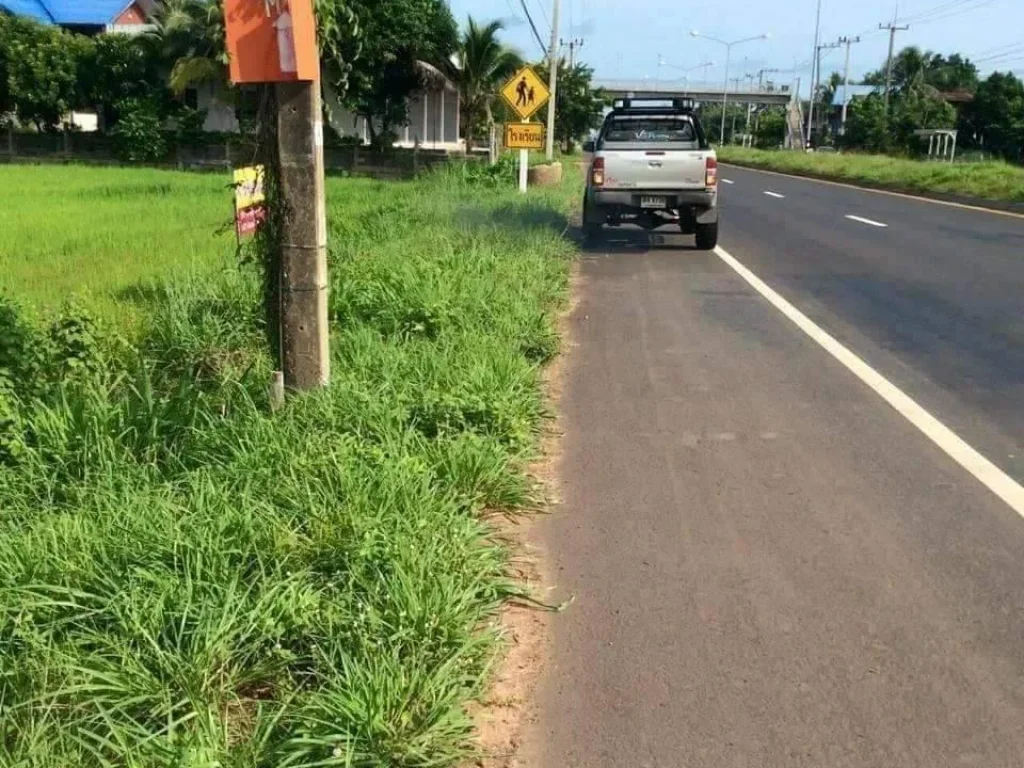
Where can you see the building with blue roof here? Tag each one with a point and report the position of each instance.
(86, 16)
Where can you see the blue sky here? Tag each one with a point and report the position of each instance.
(623, 38)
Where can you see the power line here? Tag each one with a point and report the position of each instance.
(999, 48)
(966, 6)
(893, 29)
(536, 34)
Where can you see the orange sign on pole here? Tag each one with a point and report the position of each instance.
(271, 41)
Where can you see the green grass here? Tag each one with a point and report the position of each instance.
(989, 180)
(188, 580)
(100, 232)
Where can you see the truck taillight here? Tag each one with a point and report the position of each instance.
(597, 172)
(711, 173)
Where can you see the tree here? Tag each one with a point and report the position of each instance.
(827, 90)
(771, 128)
(398, 37)
(118, 68)
(339, 39)
(578, 106)
(954, 73)
(711, 117)
(480, 66)
(917, 109)
(6, 102)
(995, 119)
(43, 67)
(914, 68)
(867, 125)
(189, 36)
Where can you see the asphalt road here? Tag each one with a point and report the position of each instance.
(772, 566)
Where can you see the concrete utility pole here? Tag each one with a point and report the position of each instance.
(305, 353)
(736, 87)
(893, 29)
(816, 83)
(760, 87)
(814, 63)
(848, 41)
(553, 79)
(574, 45)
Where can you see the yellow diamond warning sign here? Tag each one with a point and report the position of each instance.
(524, 136)
(525, 93)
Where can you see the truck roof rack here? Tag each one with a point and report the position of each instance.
(652, 104)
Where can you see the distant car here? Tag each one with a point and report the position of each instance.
(651, 165)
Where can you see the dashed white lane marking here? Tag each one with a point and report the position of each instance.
(774, 194)
(728, 181)
(993, 478)
(869, 222)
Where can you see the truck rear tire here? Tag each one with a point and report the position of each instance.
(707, 236)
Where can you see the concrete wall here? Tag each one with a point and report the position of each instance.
(220, 117)
(433, 120)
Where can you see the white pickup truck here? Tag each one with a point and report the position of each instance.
(651, 166)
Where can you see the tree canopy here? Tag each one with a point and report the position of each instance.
(480, 66)
(396, 36)
(578, 107)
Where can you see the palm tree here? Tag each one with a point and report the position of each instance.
(910, 69)
(479, 67)
(189, 35)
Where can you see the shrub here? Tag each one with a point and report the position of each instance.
(138, 135)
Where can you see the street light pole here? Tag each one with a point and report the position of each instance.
(725, 92)
(814, 64)
(728, 54)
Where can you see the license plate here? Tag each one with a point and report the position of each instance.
(652, 202)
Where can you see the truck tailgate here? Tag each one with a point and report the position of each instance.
(654, 169)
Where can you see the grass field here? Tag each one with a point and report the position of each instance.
(990, 180)
(189, 580)
(99, 232)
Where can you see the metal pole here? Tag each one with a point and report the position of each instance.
(552, 79)
(725, 93)
(814, 59)
(524, 164)
(305, 353)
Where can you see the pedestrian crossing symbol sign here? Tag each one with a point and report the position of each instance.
(525, 93)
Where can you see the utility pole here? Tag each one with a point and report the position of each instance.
(816, 83)
(553, 79)
(736, 87)
(893, 29)
(574, 45)
(274, 45)
(814, 61)
(305, 354)
(848, 41)
(760, 87)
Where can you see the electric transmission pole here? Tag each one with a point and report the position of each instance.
(893, 29)
(552, 79)
(814, 61)
(848, 41)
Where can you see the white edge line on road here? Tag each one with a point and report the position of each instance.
(993, 478)
(869, 222)
(728, 181)
(891, 193)
(774, 194)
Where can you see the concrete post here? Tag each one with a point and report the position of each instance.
(305, 353)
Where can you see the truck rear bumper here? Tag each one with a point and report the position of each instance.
(605, 202)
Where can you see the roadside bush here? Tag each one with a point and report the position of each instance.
(138, 135)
